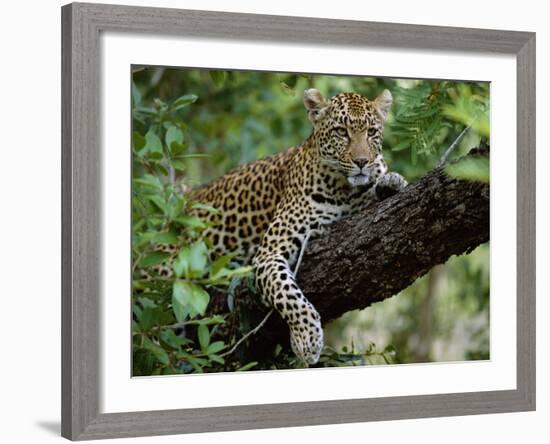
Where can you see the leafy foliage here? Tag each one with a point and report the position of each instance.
(351, 357)
(428, 111)
(472, 168)
(172, 331)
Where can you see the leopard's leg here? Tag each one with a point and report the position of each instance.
(276, 283)
(389, 184)
(385, 186)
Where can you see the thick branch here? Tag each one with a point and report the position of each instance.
(375, 254)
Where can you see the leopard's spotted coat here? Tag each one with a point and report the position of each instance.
(270, 207)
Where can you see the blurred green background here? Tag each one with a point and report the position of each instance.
(193, 125)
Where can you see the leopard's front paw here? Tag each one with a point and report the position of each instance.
(306, 339)
(389, 184)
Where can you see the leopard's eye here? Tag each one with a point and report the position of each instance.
(341, 131)
(371, 132)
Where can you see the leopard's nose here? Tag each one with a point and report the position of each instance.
(360, 161)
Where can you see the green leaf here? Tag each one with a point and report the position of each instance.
(401, 145)
(178, 302)
(156, 237)
(192, 222)
(170, 370)
(216, 319)
(177, 148)
(201, 206)
(198, 259)
(204, 337)
(174, 207)
(160, 170)
(199, 300)
(156, 350)
(145, 110)
(217, 358)
(147, 303)
(147, 315)
(143, 362)
(159, 202)
(247, 366)
(183, 101)
(152, 143)
(218, 77)
(136, 95)
(150, 182)
(171, 339)
(154, 156)
(136, 309)
(225, 275)
(173, 135)
(178, 164)
(138, 141)
(154, 258)
(474, 169)
(219, 265)
(189, 298)
(197, 363)
(215, 347)
(181, 264)
(241, 271)
(165, 238)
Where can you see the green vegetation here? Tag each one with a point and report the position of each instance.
(190, 126)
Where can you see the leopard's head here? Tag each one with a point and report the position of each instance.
(348, 133)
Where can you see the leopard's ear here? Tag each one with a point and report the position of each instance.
(314, 103)
(383, 103)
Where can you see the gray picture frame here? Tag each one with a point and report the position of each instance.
(81, 231)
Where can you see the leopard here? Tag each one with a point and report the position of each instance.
(271, 207)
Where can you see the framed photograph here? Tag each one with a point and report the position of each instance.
(278, 221)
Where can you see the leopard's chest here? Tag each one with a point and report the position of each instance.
(327, 206)
(333, 198)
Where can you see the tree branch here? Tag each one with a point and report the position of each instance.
(374, 255)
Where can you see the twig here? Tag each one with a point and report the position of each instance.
(264, 320)
(172, 175)
(250, 333)
(299, 261)
(451, 148)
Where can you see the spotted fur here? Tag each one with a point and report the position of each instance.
(270, 207)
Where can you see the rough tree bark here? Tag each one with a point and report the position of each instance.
(374, 255)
